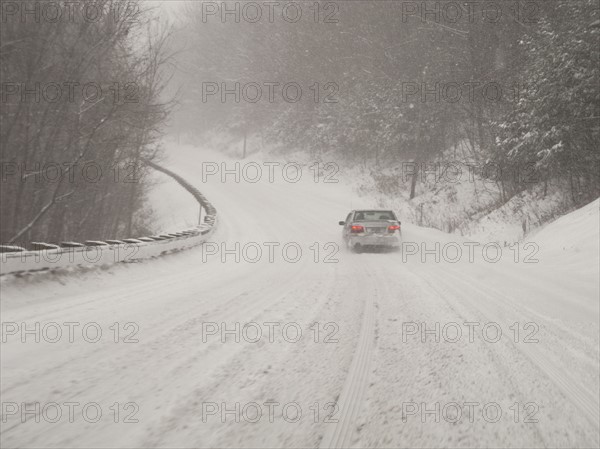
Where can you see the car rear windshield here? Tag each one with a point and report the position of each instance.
(373, 215)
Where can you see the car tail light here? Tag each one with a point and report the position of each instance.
(393, 228)
(357, 229)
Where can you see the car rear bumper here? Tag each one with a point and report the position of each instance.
(392, 240)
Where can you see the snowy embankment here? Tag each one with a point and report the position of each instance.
(452, 198)
(424, 348)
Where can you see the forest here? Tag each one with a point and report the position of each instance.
(510, 87)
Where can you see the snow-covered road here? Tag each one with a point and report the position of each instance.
(322, 348)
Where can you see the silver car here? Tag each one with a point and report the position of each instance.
(364, 229)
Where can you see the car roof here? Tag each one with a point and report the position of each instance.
(372, 210)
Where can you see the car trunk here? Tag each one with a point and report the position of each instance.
(376, 226)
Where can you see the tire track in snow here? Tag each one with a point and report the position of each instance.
(353, 391)
(177, 424)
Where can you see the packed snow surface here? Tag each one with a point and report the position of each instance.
(275, 335)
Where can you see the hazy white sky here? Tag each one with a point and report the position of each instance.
(168, 6)
(172, 4)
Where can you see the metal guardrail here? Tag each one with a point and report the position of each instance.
(45, 256)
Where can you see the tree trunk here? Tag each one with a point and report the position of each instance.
(245, 138)
(417, 158)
